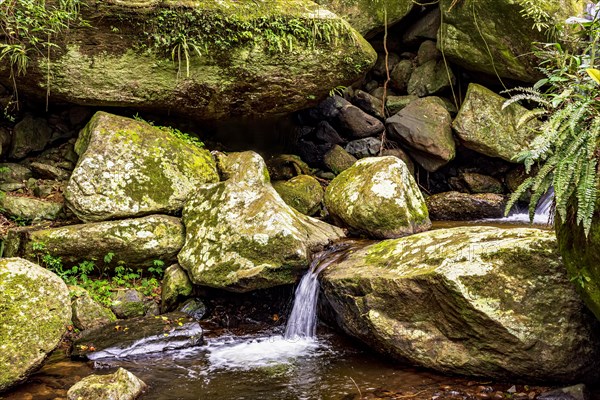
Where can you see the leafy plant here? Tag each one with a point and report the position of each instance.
(28, 27)
(567, 147)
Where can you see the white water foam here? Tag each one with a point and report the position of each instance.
(543, 212)
(252, 352)
(299, 339)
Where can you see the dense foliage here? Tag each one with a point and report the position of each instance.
(566, 150)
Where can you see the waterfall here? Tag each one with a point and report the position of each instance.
(302, 322)
(543, 212)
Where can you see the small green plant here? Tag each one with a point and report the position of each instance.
(90, 276)
(29, 27)
(567, 148)
(186, 137)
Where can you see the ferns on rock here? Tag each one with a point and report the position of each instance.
(567, 147)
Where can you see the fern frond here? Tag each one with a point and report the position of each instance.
(514, 197)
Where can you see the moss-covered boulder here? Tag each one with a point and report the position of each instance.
(202, 59)
(581, 257)
(479, 183)
(240, 234)
(484, 126)
(337, 159)
(136, 242)
(121, 385)
(129, 168)
(35, 310)
(88, 313)
(476, 301)
(303, 193)
(495, 36)
(457, 206)
(175, 286)
(378, 196)
(28, 208)
(367, 16)
(425, 126)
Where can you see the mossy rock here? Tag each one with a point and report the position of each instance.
(483, 125)
(121, 385)
(303, 193)
(88, 313)
(338, 160)
(35, 310)
(253, 55)
(136, 242)
(175, 286)
(581, 257)
(30, 209)
(495, 36)
(476, 301)
(129, 168)
(240, 234)
(456, 206)
(368, 16)
(378, 196)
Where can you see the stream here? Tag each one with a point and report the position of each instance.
(298, 361)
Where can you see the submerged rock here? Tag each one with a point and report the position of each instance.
(257, 58)
(240, 234)
(378, 196)
(135, 242)
(35, 310)
(456, 206)
(121, 385)
(471, 301)
(139, 336)
(129, 168)
(484, 126)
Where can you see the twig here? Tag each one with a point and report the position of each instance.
(357, 388)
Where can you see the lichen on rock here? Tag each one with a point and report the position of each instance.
(240, 234)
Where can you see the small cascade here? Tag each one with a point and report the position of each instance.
(543, 212)
(303, 319)
(299, 339)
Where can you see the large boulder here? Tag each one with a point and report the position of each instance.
(478, 301)
(495, 36)
(240, 234)
(368, 17)
(425, 126)
(482, 125)
(121, 385)
(581, 256)
(135, 242)
(35, 310)
(255, 58)
(29, 209)
(129, 168)
(87, 312)
(378, 196)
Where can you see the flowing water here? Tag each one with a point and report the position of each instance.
(273, 363)
(543, 212)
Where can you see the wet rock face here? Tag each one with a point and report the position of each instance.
(139, 336)
(240, 234)
(471, 301)
(35, 310)
(121, 385)
(241, 73)
(378, 196)
(128, 168)
(456, 206)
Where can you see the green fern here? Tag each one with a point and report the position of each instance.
(567, 147)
